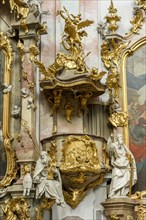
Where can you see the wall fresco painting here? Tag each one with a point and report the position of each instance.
(136, 88)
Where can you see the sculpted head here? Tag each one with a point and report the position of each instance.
(119, 138)
(44, 157)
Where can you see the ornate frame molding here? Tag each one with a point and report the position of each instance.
(114, 51)
(11, 170)
(128, 52)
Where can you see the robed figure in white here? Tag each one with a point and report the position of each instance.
(123, 165)
(51, 188)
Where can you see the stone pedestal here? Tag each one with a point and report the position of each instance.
(119, 207)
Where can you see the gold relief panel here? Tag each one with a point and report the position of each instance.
(7, 158)
(80, 154)
(80, 168)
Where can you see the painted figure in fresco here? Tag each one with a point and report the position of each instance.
(50, 187)
(124, 174)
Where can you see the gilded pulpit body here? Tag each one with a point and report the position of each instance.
(68, 85)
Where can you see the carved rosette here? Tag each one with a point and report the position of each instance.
(11, 171)
(80, 168)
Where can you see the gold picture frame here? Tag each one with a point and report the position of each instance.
(11, 169)
(127, 53)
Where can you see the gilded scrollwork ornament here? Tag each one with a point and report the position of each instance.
(112, 18)
(52, 154)
(137, 22)
(141, 4)
(74, 58)
(114, 216)
(95, 75)
(46, 204)
(16, 208)
(22, 10)
(113, 84)
(140, 211)
(111, 50)
(117, 118)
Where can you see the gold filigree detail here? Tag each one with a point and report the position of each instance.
(141, 4)
(119, 119)
(95, 75)
(111, 51)
(42, 29)
(113, 84)
(140, 212)
(20, 46)
(16, 208)
(137, 22)
(34, 51)
(112, 18)
(52, 154)
(111, 54)
(11, 171)
(22, 10)
(139, 195)
(45, 204)
(114, 216)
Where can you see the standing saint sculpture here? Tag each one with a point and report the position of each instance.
(48, 180)
(124, 174)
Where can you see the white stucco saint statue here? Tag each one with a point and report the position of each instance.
(124, 174)
(27, 181)
(50, 187)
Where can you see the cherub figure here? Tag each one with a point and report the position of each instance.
(55, 100)
(68, 111)
(83, 101)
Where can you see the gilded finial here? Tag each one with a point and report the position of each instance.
(112, 18)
